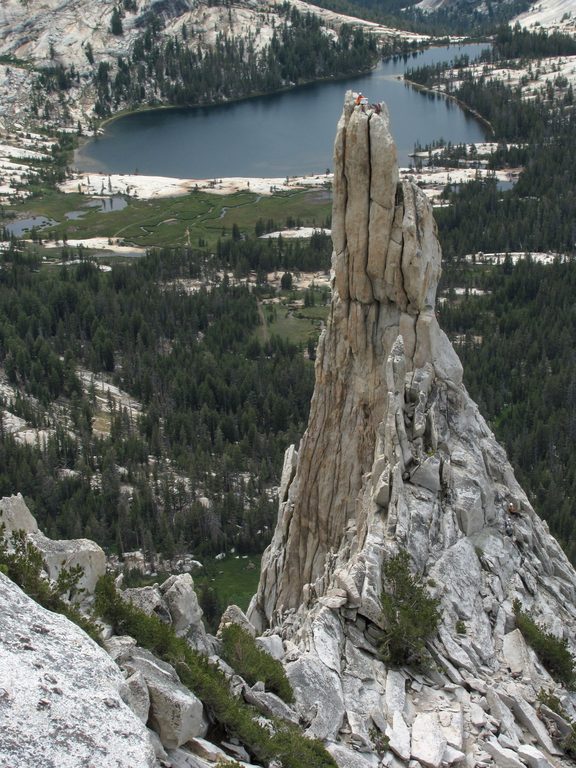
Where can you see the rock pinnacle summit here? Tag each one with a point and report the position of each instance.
(397, 458)
(386, 263)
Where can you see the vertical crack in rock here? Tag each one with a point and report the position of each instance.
(357, 211)
(383, 189)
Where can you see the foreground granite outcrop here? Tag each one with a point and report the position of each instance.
(64, 701)
(397, 456)
(172, 710)
(56, 553)
(62, 698)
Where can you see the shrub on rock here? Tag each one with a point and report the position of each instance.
(410, 615)
(552, 651)
(254, 664)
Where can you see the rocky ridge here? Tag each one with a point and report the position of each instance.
(396, 457)
(67, 699)
(71, 701)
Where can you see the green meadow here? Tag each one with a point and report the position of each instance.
(198, 219)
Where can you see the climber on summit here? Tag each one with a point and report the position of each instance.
(513, 510)
(361, 100)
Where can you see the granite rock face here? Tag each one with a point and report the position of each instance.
(396, 456)
(382, 327)
(61, 696)
(57, 554)
(175, 713)
(174, 602)
(15, 516)
(69, 553)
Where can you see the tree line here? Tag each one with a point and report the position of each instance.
(466, 19)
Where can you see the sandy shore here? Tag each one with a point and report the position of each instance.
(296, 233)
(432, 180)
(98, 244)
(153, 187)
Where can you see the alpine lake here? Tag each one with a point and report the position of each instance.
(275, 136)
(284, 134)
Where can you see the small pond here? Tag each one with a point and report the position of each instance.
(103, 204)
(20, 227)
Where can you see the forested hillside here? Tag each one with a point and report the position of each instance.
(455, 17)
(172, 70)
(221, 399)
(219, 406)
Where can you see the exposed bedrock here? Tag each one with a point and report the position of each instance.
(397, 457)
(386, 268)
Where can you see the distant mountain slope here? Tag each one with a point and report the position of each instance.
(66, 63)
(551, 15)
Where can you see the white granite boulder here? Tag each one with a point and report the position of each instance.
(182, 603)
(176, 714)
(61, 695)
(428, 740)
(15, 516)
(235, 615)
(70, 553)
(56, 554)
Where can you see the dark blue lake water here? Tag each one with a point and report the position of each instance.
(289, 133)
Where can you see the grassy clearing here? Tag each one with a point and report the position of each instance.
(296, 325)
(234, 580)
(196, 219)
(311, 208)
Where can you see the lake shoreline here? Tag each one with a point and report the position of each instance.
(277, 134)
(147, 109)
(462, 104)
(441, 43)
